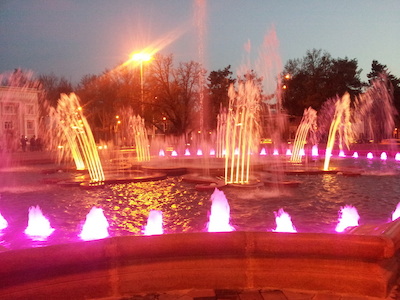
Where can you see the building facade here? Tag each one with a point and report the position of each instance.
(19, 116)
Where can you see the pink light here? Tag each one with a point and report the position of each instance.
(348, 216)
(212, 152)
(370, 155)
(161, 153)
(223, 152)
(263, 152)
(174, 153)
(237, 151)
(341, 153)
(3, 222)
(355, 154)
(220, 213)
(383, 156)
(283, 222)
(275, 152)
(288, 152)
(154, 223)
(396, 213)
(187, 152)
(302, 152)
(199, 152)
(38, 225)
(397, 157)
(314, 150)
(95, 226)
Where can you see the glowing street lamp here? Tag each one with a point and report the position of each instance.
(141, 57)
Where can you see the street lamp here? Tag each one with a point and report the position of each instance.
(141, 57)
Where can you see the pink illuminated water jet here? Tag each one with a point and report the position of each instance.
(341, 153)
(383, 156)
(263, 152)
(212, 152)
(187, 152)
(355, 154)
(161, 153)
(199, 152)
(154, 223)
(283, 222)
(174, 153)
(314, 150)
(3, 222)
(396, 213)
(348, 217)
(38, 225)
(275, 152)
(370, 155)
(95, 226)
(289, 152)
(220, 213)
(397, 157)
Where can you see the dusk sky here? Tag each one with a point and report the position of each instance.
(73, 38)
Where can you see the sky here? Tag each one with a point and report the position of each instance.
(74, 38)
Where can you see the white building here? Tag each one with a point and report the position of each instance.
(19, 115)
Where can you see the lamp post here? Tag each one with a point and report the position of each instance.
(141, 57)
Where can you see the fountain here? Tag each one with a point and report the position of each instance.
(38, 225)
(154, 223)
(95, 226)
(220, 213)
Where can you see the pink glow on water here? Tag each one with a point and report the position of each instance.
(314, 150)
(355, 154)
(341, 153)
(187, 152)
(199, 152)
(396, 213)
(276, 152)
(397, 157)
(289, 152)
(263, 152)
(283, 222)
(38, 225)
(302, 152)
(154, 223)
(161, 153)
(348, 216)
(212, 152)
(95, 226)
(174, 153)
(383, 156)
(3, 222)
(220, 213)
(236, 151)
(370, 155)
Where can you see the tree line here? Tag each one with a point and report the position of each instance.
(169, 96)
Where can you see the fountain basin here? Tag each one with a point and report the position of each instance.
(362, 265)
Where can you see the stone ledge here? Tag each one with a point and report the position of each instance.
(363, 265)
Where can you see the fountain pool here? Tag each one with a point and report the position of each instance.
(313, 205)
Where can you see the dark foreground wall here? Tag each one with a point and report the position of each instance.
(122, 266)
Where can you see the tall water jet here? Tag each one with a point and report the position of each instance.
(340, 123)
(154, 224)
(70, 125)
(242, 131)
(220, 213)
(376, 111)
(95, 226)
(308, 124)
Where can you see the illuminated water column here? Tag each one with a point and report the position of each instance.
(242, 131)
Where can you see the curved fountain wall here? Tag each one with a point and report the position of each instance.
(351, 264)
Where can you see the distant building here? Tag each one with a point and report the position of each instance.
(19, 115)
